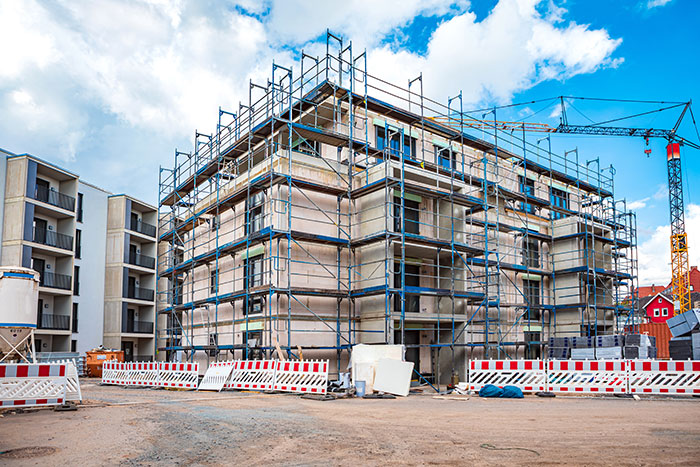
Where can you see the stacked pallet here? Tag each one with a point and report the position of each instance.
(685, 329)
(609, 347)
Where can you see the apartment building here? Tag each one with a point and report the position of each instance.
(58, 225)
(319, 216)
(130, 277)
(38, 232)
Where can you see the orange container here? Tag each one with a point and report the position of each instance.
(663, 337)
(96, 358)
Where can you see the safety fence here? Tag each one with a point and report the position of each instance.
(32, 385)
(308, 376)
(588, 376)
(151, 374)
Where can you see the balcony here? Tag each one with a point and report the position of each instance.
(142, 227)
(51, 238)
(137, 327)
(50, 321)
(54, 198)
(55, 281)
(139, 293)
(142, 260)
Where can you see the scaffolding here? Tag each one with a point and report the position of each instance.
(336, 208)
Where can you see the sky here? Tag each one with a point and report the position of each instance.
(109, 89)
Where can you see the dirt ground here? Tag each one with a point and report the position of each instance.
(158, 427)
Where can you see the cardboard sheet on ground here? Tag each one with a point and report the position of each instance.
(364, 361)
(393, 376)
(215, 378)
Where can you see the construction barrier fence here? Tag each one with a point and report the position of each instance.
(307, 376)
(32, 385)
(588, 376)
(151, 374)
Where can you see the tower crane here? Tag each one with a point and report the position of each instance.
(680, 279)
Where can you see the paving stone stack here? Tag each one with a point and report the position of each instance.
(609, 347)
(640, 346)
(685, 329)
(559, 348)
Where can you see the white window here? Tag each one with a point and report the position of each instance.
(659, 300)
(664, 312)
(656, 313)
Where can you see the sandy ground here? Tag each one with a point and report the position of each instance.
(159, 427)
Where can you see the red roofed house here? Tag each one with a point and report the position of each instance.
(658, 308)
(649, 290)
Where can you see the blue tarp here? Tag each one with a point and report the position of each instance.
(510, 392)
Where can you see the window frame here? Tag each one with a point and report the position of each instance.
(409, 142)
(80, 208)
(558, 198)
(76, 280)
(213, 281)
(526, 187)
(411, 221)
(78, 244)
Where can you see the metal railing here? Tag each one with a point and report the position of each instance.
(55, 281)
(138, 327)
(51, 238)
(144, 228)
(139, 358)
(142, 260)
(55, 198)
(50, 321)
(140, 293)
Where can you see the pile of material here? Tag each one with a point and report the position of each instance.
(685, 329)
(610, 347)
(380, 368)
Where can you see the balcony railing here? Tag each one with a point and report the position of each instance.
(51, 238)
(142, 260)
(142, 227)
(55, 281)
(49, 321)
(55, 198)
(139, 358)
(139, 293)
(138, 327)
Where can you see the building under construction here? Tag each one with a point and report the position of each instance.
(335, 208)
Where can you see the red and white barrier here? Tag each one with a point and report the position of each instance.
(73, 392)
(143, 374)
(308, 376)
(254, 375)
(151, 374)
(32, 385)
(664, 377)
(528, 375)
(587, 376)
(115, 373)
(178, 375)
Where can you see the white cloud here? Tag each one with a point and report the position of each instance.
(163, 67)
(638, 204)
(656, 3)
(363, 21)
(661, 193)
(488, 64)
(655, 252)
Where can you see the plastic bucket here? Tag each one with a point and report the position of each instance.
(359, 388)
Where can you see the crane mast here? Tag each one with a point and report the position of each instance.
(680, 279)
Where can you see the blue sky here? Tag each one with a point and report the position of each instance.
(108, 89)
